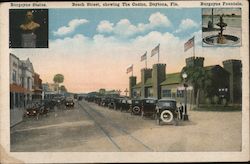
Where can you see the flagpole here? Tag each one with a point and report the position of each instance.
(132, 69)
(194, 48)
(159, 54)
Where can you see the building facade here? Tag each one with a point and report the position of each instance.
(37, 88)
(24, 84)
(225, 82)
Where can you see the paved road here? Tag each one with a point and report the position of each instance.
(91, 128)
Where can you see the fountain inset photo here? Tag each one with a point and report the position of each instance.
(221, 26)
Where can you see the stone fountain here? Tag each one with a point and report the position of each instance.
(221, 39)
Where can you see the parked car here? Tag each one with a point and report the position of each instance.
(105, 101)
(49, 103)
(136, 106)
(166, 111)
(97, 100)
(148, 107)
(32, 111)
(125, 104)
(113, 102)
(69, 102)
(37, 109)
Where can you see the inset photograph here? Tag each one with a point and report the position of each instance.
(221, 27)
(28, 28)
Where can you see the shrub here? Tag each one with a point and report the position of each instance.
(215, 99)
(224, 102)
(208, 101)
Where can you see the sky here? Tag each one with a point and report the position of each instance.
(93, 47)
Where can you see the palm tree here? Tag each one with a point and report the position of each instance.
(199, 78)
(58, 78)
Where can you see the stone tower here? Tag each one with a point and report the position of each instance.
(195, 61)
(132, 83)
(158, 76)
(146, 73)
(235, 79)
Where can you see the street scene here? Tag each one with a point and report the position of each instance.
(90, 128)
(117, 82)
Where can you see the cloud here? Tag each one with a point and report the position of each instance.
(187, 24)
(125, 28)
(158, 19)
(72, 25)
(84, 60)
(105, 27)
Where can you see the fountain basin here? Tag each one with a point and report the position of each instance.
(229, 40)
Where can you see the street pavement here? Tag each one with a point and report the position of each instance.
(91, 128)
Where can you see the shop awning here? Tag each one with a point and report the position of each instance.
(18, 88)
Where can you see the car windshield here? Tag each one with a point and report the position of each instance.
(167, 103)
(69, 99)
(150, 101)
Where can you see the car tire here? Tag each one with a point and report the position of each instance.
(166, 116)
(136, 110)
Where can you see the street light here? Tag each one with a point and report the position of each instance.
(185, 115)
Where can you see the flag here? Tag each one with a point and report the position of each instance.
(130, 68)
(155, 50)
(189, 44)
(144, 57)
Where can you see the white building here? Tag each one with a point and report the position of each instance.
(21, 82)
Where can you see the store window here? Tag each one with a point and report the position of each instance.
(180, 93)
(166, 93)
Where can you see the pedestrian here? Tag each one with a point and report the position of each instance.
(180, 112)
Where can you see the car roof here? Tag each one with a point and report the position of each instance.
(150, 98)
(167, 99)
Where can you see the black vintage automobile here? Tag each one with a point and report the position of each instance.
(105, 101)
(97, 100)
(148, 107)
(125, 104)
(36, 109)
(113, 103)
(49, 103)
(69, 102)
(166, 111)
(136, 106)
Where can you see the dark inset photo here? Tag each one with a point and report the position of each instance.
(28, 28)
(221, 27)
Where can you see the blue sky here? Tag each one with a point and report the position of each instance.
(61, 17)
(90, 45)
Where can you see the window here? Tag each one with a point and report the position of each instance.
(180, 93)
(166, 93)
(14, 75)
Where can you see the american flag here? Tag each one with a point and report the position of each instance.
(144, 56)
(189, 44)
(155, 50)
(130, 68)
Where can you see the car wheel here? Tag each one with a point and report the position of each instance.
(136, 110)
(167, 116)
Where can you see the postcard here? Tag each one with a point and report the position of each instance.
(124, 81)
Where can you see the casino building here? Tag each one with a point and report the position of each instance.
(155, 82)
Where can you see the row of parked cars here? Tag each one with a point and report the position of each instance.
(43, 107)
(163, 110)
